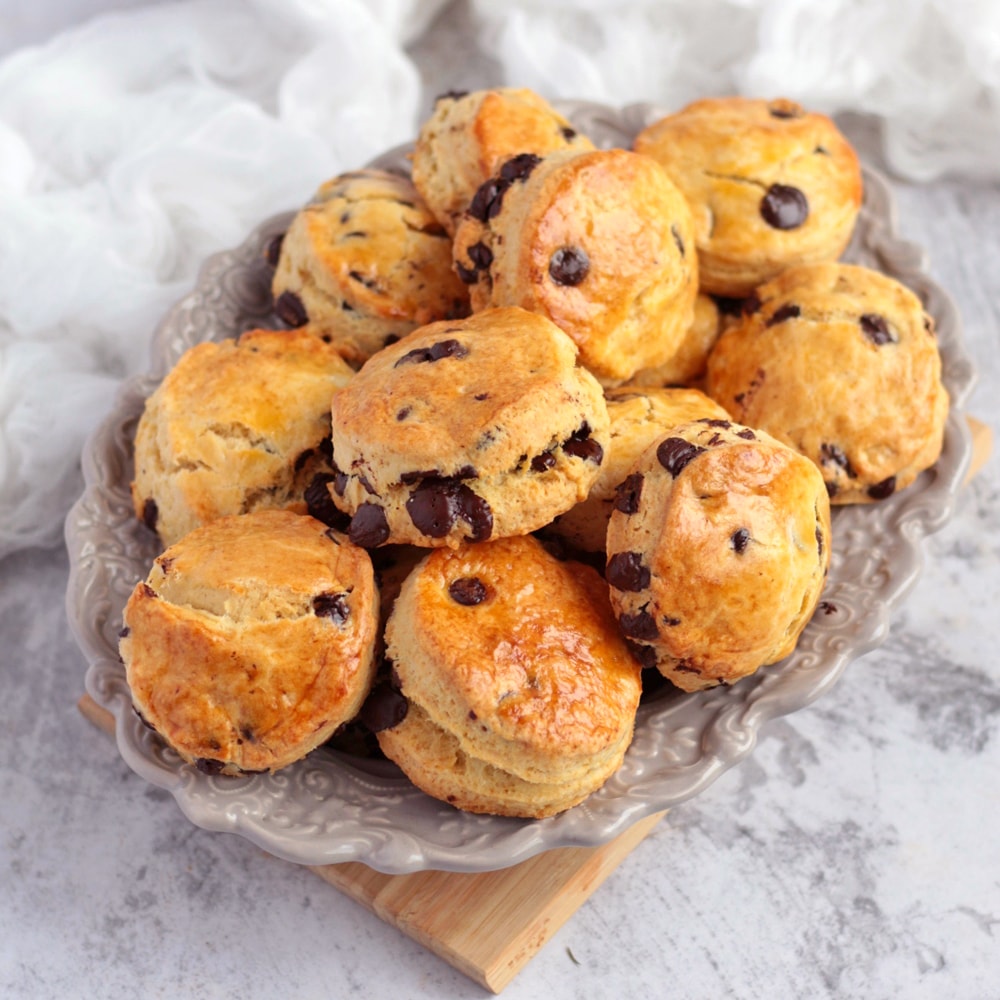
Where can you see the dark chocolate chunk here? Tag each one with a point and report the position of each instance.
(569, 134)
(625, 571)
(442, 349)
(468, 590)
(582, 445)
(150, 513)
(480, 255)
(369, 526)
(542, 462)
(641, 625)
(519, 167)
(884, 489)
(403, 413)
(209, 766)
(467, 275)
(645, 656)
(876, 329)
(488, 199)
(289, 309)
(715, 422)
(830, 454)
(783, 109)
(628, 493)
(569, 266)
(674, 453)
(272, 252)
(784, 207)
(746, 434)
(332, 606)
(436, 505)
(125, 632)
(819, 541)
(740, 540)
(386, 706)
(788, 311)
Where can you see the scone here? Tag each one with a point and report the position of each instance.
(687, 365)
(468, 135)
(769, 183)
(467, 431)
(840, 362)
(234, 427)
(521, 694)
(601, 243)
(252, 640)
(364, 263)
(638, 416)
(718, 548)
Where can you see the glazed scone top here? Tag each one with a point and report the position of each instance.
(840, 362)
(251, 640)
(469, 135)
(769, 184)
(364, 261)
(601, 242)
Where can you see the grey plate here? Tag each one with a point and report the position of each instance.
(330, 807)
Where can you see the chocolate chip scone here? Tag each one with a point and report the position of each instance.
(840, 362)
(718, 548)
(466, 431)
(234, 427)
(251, 640)
(520, 692)
(687, 365)
(468, 136)
(639, 416)
(364, 263)
(602, 243)
(769, 183)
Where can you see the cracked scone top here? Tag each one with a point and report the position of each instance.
(521, 693)
(235, 426)
(468, 136)
(600, 242)
(769, 183)
(840, 362)
(251, 640)
(465, 431)
(718, 548)
(364, 263)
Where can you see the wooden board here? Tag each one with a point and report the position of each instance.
(489, 925)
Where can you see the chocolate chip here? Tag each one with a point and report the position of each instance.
(582, 445)
(362, 279)
(884, 489)
(436, 505)
(480, 255)
(674, 453)
(340, 481)
(487, 200)
(788, 311)
(641, 625)
(442, 349)
(819, 541)
(831, 454)
(540, 463)
(628, 493)
(386, 706)
(569, 266)
(569, 134)
(332, 606)
(645, 656)
(148, 592)
(450, 95)
(289, 309)
(467, 275)
(369, 526)
(625, 571)
(746, 434)
(519, 167)
(832, 488)
(403, 413)
(750, 305)
(784, 207)
(125, 632)
(150, 513)
(876, 329)
(272, 252)
(677, 239)
(480, 396)
(740, 540)
(209, 766)
(784, 109)
(320, 505)
(468, 590)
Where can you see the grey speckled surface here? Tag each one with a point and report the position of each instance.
(853, 855)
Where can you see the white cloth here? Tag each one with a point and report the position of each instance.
(133, 146)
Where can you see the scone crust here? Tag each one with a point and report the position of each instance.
(504, 416)
(840, 362)
(532, 677)
(631, 301)
(235, 426)
(726, 154)
(717, 558)
(368, 262)
(468, 136)
(686, 367)
(252, 640)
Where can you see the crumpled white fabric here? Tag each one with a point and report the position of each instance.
(134, 145)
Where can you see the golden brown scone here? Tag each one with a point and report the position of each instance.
(521, 692)
(465, 431)
(688, 364)
(769, 183)
(840, 362)
(718, 548)
(468, 136)
(364, 263)
(234, 427)
(599, 242)
(639, 416)
(252, 640)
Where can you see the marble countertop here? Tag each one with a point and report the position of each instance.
(853, 854)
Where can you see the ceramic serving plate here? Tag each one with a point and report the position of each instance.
(331, 807)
